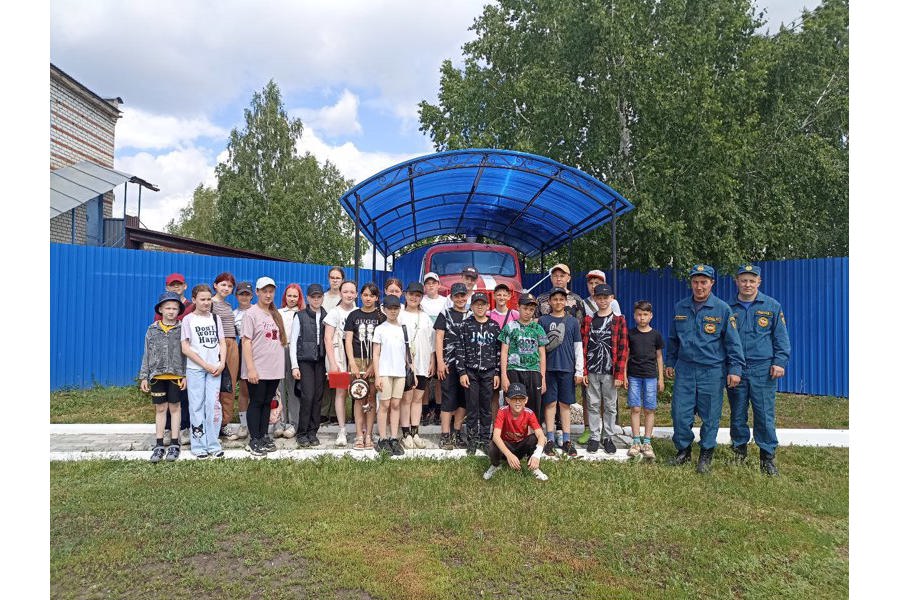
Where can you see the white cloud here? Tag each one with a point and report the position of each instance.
(176, 173)
(339, 119)
(143, 130)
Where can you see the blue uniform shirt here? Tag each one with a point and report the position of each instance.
(707, 338)
(763, 331)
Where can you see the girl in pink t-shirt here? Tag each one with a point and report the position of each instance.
(263, 340)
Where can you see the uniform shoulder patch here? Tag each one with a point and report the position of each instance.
(782, 320)
(733, 321)
(709, 328)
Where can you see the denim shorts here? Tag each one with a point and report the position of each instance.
(642, 392)
(560, 387)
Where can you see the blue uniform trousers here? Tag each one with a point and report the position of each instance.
(757, 389)
(698, 389)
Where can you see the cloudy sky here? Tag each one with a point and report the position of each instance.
(353, 71)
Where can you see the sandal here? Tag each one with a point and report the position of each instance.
(369, 444)
(359, 444)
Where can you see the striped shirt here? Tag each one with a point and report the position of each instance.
(223, 311)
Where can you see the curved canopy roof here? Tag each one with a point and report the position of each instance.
(526, 201)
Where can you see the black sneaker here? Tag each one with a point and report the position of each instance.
(683, 456)
(396, 448)
(158, 453)
(255, 448)
(593, 446)
(550, 448)
(446, 441)
(202, 456)
(313, 440)
(268, 444)
(740, 452)
(608, 446)
(302, 441)
(569, 449)
(219, 454)
(383, 445)
(767, 464)
(462, 440)
(173, 453)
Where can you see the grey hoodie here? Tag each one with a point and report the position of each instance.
(162, 352)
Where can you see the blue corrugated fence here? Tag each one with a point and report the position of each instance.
(101, 301)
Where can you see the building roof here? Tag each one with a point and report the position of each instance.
(74, 185)
(529, 202)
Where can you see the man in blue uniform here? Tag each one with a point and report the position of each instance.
(764, 337)
(703, 346)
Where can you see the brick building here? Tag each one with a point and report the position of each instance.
(82, 128)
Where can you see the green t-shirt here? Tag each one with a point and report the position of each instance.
(523, 341)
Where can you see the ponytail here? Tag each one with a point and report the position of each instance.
(276, 316)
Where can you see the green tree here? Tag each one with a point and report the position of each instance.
(273, 200)
(671, 103)
(197, 219)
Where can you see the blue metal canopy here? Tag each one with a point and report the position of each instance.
(529, 202)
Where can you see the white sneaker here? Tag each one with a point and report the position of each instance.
(492, 469)
(289, 431)
(408, 442)
(278, 430)
(231, 432)
(540, 475)
(419, 442)
(243, 432)
(185, 436)
(341, 437)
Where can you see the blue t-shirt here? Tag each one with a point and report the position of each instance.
(563, 333)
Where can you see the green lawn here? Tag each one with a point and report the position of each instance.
(129, 405)
(419, 529)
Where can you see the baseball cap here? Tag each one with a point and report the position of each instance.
(458, 288)
(516, 390)
(703, 270)
(479, 297)
(752, 269)
(174, 278)
(263, 282)
(431, 275)
(557, 290)
(314, 289)
(596, 273)
(168, 297)
(603, 289)
(561, 267)
(527, 298)
(242, 287)
(390, 302)
(415, 286)
(470, 272)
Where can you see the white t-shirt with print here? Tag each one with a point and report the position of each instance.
(393, 351)
(200, 331)
(337, 317)
(420, 329)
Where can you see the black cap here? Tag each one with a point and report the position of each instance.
(469, 271)
(415, 286)
(516, 390)
(527, 298)
(458, 288)
(479, 297)
(242, 287)
(390, 301)
(603, 289)
(558, 290)
(314, 289)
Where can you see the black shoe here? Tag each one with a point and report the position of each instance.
(396, 448)
(608, 446)
(462, 440)
(593, 446)
(158, 453)
(569, 449)
(446, 441)
(704, 464)
(550, 448)
(740, 452)
(302, 441)
(767, 464)
(268, 444)
(683, 456)
(313, 440)
(219, 454)
(255, 448)
(383, 445)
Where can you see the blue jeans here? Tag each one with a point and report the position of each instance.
(203, 394)
(759, 389)
(642, 392)
(698, 389)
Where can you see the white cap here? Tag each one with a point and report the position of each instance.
(264, 281)
(596, 273)
(561, 267)
(431, 275)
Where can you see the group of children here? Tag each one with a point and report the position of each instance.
(285, 357)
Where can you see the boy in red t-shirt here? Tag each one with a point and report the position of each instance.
(511, 438)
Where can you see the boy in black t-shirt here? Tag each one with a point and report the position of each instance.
(644, 377)
(478, 361)
(446, 336)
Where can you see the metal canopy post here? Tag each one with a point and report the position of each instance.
(356, 243)
(140, 189)
(374, 249)
(615, 265)
(125, 204)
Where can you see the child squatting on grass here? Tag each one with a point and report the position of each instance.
(643, 377)
(512, 440)
(162, 371)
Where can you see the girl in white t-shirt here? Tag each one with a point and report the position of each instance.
(333, 296)
(291, 302)
(335, 355)
(420, 331)
(203, 343)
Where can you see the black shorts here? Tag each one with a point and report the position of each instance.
(422, 382)
(452, 394)
(165, 390)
